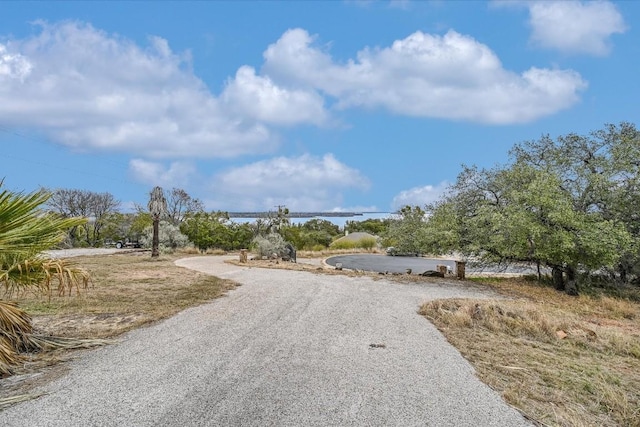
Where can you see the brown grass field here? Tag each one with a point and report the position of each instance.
(126, 291)
(561, 360)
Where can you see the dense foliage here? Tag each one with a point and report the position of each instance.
(25, 232)
(377, 227)
(216, 230)
(407, 233)
(313, 234)
(568, 204)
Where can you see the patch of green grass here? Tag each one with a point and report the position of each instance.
(364, 243)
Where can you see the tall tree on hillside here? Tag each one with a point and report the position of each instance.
(25, 232)
(157, 208)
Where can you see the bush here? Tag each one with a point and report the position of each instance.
(364, 243)
(270, 244)
(169, 236)
(367, 243)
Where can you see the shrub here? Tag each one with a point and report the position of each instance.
(367, 243)
(169, 236)
(270, 244)
(364, 243)
(343, 244)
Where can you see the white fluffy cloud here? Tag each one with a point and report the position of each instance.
(13, 66)
(419, 196)
(259, 98)
(575, 26)
(305, 183)
(177, 174)
(90, 90)
(451, 76)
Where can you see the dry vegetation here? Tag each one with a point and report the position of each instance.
(126, 291)
(561, 360)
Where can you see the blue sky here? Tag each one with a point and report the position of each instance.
(336, 105)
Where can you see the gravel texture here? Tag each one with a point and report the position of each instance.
(287, 348)
(70, 253)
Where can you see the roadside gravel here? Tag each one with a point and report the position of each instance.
(69, 253)
(287, 348)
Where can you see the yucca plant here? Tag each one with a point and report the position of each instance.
(25, 232)
(157, 207)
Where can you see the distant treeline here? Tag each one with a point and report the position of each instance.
(294, 214)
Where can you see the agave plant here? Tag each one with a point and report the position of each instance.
(25, 232)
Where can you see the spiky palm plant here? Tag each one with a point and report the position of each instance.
(25, 232)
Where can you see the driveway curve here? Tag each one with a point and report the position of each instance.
(287, 348)
(399, 264)
(392, 264)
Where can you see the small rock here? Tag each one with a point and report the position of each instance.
(432, 273)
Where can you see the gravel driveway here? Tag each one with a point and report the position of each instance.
(287, 348)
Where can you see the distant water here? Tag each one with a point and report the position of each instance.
(340, 221)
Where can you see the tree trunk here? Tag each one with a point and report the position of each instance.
(558, 280)
(572, 282)
(156, 239)
(623, 274)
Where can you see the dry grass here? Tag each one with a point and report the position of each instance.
(561, 360)
(126, 291)
(590, 377)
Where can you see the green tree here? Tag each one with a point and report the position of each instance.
(242, 234)
(140, 221)
(212, 230)
(377, 227)
(600, 174)
(407, 233)
(521, 213)
(296, 235)
(318, 232)
(25, 232)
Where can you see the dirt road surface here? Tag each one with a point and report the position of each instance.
(287, 348)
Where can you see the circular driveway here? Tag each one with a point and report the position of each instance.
(400, 264)
(392, 264)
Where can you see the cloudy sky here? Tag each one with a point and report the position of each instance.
(336, 105)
